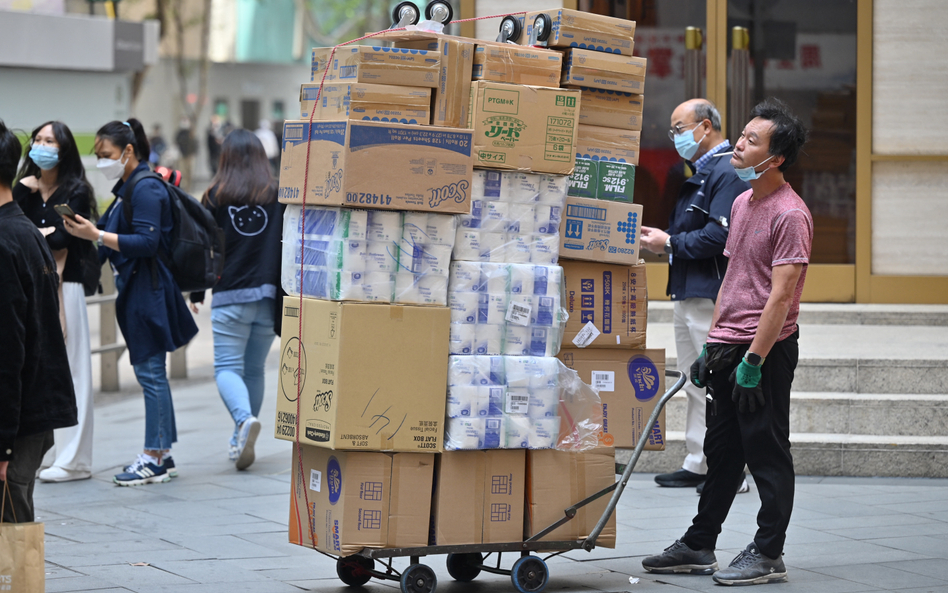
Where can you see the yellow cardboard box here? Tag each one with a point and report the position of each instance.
(377, 165)
(451, 97)
(370, 377)
(457, 510)
(410, 506)
(601, 231)
(575, 28)
(504, 475)
(611, 109)
(607, 305)
(379, 65)
(372, 102)
(608, 144)
(517, 64)
(524, 128)
(593, 69)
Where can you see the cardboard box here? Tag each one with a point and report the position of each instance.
(379, 65)
(600, 231)
(593, 69)
(410, 503)
(630, 383)
(518, 65)
(557, 480)
(584, 181)
(372, 376)
(348, 496)
(608, 144)
(574, 28)
(611, 109)
(504, 476)
(602, 180)
(451, 98)
(612, 298)
(373, 102)
(457, 509)
(377, 165)
(525, 128)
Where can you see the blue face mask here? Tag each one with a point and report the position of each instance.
(749, 173)
(685, 144)
(45, 157)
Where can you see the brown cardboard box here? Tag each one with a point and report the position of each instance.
(518, 65)
(379, 65)
(630, 383)
(377, 165)
(525, 128)
(600, 231)
(410, 507)
(608, 144)
(557, 480)
(451, 98)
(611, 109)
(457, 510)
(348, 496)
(504, 477)
(575, 28)
(610, 297)
(374, 102)
(598, 70)
(373, 376)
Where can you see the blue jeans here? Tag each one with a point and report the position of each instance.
(160, 429)
(243, 333)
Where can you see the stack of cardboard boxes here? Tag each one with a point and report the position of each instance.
(365, 354)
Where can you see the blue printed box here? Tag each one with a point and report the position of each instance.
(607, 306)
(601, 231)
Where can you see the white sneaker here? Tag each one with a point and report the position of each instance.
(245, 441)
(59, 474)
(744, 487)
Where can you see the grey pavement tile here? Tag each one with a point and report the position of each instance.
(814, 556)
(183, 510)
(135, 577)
(804, 535)
(897, 498)
(54, 571)
(82, 584)
(225, 546)
(253, 587)
(933, 567)
(205, 492)
(86, 532)
(871, 520)
(935, 529)
(834, 507)
(939, 505)
(942, 589)
(81, 558)
(211, 571)
(926, 546)
(885, 577)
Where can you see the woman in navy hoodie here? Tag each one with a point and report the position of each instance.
(151, 312)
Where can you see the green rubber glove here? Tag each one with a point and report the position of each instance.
(747, 391)
(699, 370)
(748, 375)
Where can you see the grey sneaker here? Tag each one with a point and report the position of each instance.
(679, 558)
(750, 567)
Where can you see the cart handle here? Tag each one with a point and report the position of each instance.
(590, 541)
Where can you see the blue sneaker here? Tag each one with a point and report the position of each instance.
(166, 461)
(142, 471)
(245, 442)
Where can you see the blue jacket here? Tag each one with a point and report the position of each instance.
(698, 227)
(152, 320)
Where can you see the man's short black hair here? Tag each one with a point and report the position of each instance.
(788, 134)
(10, 150)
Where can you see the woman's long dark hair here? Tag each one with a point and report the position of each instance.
(71, 174)
(244, 176)
(123, 133)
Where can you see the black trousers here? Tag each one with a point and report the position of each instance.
(28, 454)
(759, 439)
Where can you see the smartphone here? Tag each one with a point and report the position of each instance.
(65, 211)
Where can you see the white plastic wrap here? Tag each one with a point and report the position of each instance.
(519, 402)
(512, 309)
(515, 218)
(368, 255)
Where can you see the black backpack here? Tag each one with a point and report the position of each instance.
(196, 260)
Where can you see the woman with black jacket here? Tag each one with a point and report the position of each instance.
(52, 174)
(243, 200)
(150, 310)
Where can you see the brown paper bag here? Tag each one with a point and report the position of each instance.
(22, 552)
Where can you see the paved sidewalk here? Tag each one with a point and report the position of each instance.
(216, 529)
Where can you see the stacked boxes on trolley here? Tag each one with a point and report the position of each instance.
(430, 333)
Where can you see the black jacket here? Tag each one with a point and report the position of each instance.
(36, 392)
(698, 228)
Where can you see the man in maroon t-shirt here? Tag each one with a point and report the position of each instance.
(751, 354)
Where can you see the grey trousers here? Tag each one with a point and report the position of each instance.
(28, 454)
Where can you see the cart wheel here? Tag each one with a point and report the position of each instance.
(529, 574)
(354, 570)
(418, 578)
(543, 25)
(439, 11)
(464, 567)
(510, 30)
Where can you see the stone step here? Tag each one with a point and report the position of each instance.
(816, 454)
(842, 314)
(850, 414)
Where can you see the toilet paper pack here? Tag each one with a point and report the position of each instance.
(513, 216)
(367, 255)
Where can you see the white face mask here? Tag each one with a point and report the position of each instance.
(113, 169)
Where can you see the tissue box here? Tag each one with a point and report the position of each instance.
(608, 144)
(524, 128)
(379, 65)
(452, 96)
(377, 165)
(557, 480)
(457, 509)
(603, 180)
(410, 507)
(374, 102)
(398, 406)
(607, 306)
(593, 69)
(611, 109)
(517, 64)
(630, 384)
(601, 231)
(575, 28)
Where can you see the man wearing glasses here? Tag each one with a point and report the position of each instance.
(694, 243)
